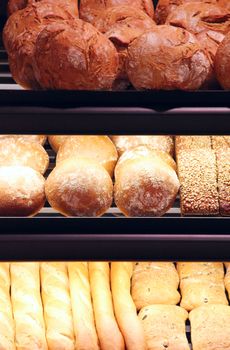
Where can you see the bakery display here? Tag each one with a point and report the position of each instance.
(201, 283)
(164, 327)
(155, 283)
(222, 60)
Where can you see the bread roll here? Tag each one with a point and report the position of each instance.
(79, 187)
(27, 306)
(227, 278)
(107, 329)
(41, 139)
(156, 60)
(7, 332)
(98, 148)
(210, 327)
(146, 183)
(88, 60)
(155, 283)
(83, 318)
(222, 63)
(201, 283)
(56, 141)
(57, 306)
(124, 307)
(21, 191)
(164, 327)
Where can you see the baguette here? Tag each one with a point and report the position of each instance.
(83, 318)
(124, 306)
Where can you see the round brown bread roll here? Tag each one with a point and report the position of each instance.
(222, 63)
(88, 60)
(167, 58)
(125, 143)
(145, 183)
(41, 139)
(79, 187)
(97, 148)
(21, 191)
(18, 152)
(56, 141)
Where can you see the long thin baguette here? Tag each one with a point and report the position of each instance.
(109, 334)
(83, 318)
(124, 306)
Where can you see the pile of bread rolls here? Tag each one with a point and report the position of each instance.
(114, 306)
(118, 44)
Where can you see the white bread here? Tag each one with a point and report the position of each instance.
(57, 306)
(27, 306)
(146, 183)
(164, 327)
(7, 330)
(108, 332)
(210, 327)
(124, 306)
(83, 317)
(19, 152)
(79, 187)
(97, 148)
(201, 283)
(155, 283)
(56, 141)
(22, 191)
(41, 139)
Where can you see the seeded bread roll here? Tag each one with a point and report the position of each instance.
(210, 327)
(41, 139)
(56, 141)
(222, 63)
(164, 327)
(201, 283)
(155, 283)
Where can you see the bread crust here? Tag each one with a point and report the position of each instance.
(222, 63)
(41, 139)
(56, 141)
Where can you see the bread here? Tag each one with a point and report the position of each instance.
(14, 151)
(192, 143)
(79, 187)
(146, 183)
(227, 278)
(88, 60)
(167, 58)
(222, 63)
(155, 283)
(27, 306)
(83, 318)
(210, 327)
(90, 10)
(201, 283)
(164, 327)
(124, 307)
(57, 306)
(107, 329)
(125, 143)
(56, 141)
(97, 148)
(21, 191)
(7, 332)
(41, 139)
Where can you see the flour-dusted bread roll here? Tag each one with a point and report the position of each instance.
(22, 191)
(210, 327)
(57, 306)
(98, 148)
(56, 141)
(124, 307)
(7, 329)
(201, 283)
(108, 332)
(27, 306)
(161, 143)
(155, 283)
(41, 139)
(164, 327)
(79, 187)
(15, 151)
(146, 182)
(83, 317)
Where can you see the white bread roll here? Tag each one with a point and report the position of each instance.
(7, 330)
(41, 139)
(161, 143)
(146, 183)
(124, 307)
(79, 187)
(22, 191)
(27, 306)
(83, 317)
(19, 152)
(57, 306)
(97, 148)
(107, 329)
(56, 141)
